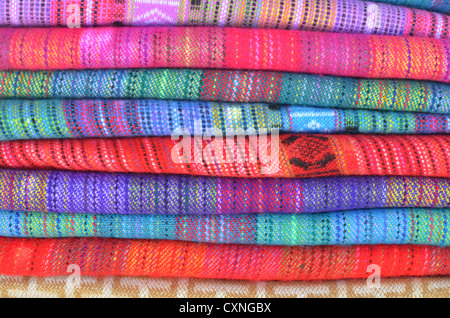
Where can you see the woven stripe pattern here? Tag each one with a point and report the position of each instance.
(229, 86)
(391, 226)
(126, 118)
(286, 155)
(99, 257)
(346, 16)
(34, 119)
(369, 56)
(120, 193)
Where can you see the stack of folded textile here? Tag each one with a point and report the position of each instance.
(218, 148)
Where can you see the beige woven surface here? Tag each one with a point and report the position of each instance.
(13, 286)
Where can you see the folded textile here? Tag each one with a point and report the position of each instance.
(434, 5)
(356, 227)
(356, 55)
(34, 119)
(123, 193)
(100, 257)
(345, 16)
(254, 156)
(229, 86)
(150, 287)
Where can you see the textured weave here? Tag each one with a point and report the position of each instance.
(229, 86)
(386, 226)
(273, 156)
(370, 56)
(434, 5)
(35, 119)
(78, 192)
(99, 257)
(149, 287)
(123, 118)
(321, 15)
(298, 119)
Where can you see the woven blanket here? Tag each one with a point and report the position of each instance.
(357, 55)
(321, 15)
(433, 5)
(100, 257)
(229, 86)
(384, 226)
(150, 287)
(121, 193)
(133, 118)
(255, 156)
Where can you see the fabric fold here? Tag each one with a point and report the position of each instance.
(122, 193)
(356, 55)
(35, 119)
(229, 86)
(357, 227)
(285, 155)
(51, 257)
(346, 16)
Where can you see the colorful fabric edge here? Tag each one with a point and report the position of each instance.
(229, 86)
(356, 227)
(355, 55)
(106, 257)
(346, 16)
(35, 119)
(285, 155)
(123, 193)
